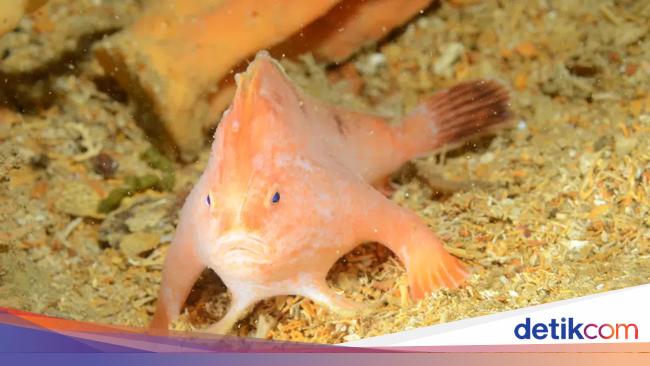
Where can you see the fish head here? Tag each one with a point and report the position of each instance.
(261, 183)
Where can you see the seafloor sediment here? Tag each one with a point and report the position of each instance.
(558, 206)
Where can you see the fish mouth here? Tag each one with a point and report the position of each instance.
(234, 237)
(242, 248)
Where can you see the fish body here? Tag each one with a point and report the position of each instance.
(292, 184)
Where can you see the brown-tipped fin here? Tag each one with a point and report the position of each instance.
(455, 115)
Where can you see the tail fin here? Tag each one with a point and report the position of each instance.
(455, 115)
(430, 267)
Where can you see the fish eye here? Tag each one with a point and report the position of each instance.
(275, 198)
(208, 200)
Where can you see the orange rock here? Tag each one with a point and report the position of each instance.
(349, 25)
(521, 81)
(598, 211)
(176, 53)
(527, 49)
(636, 107)
(174, 59)
(39, 189)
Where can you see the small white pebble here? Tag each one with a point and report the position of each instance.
(450, 54)
(576, 244)
(377, 59)
(487, 158)
(488, 294)
(522, 125)
(599, 202)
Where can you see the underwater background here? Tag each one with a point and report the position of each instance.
(558, 206)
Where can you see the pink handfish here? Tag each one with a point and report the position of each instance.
(292, 184)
